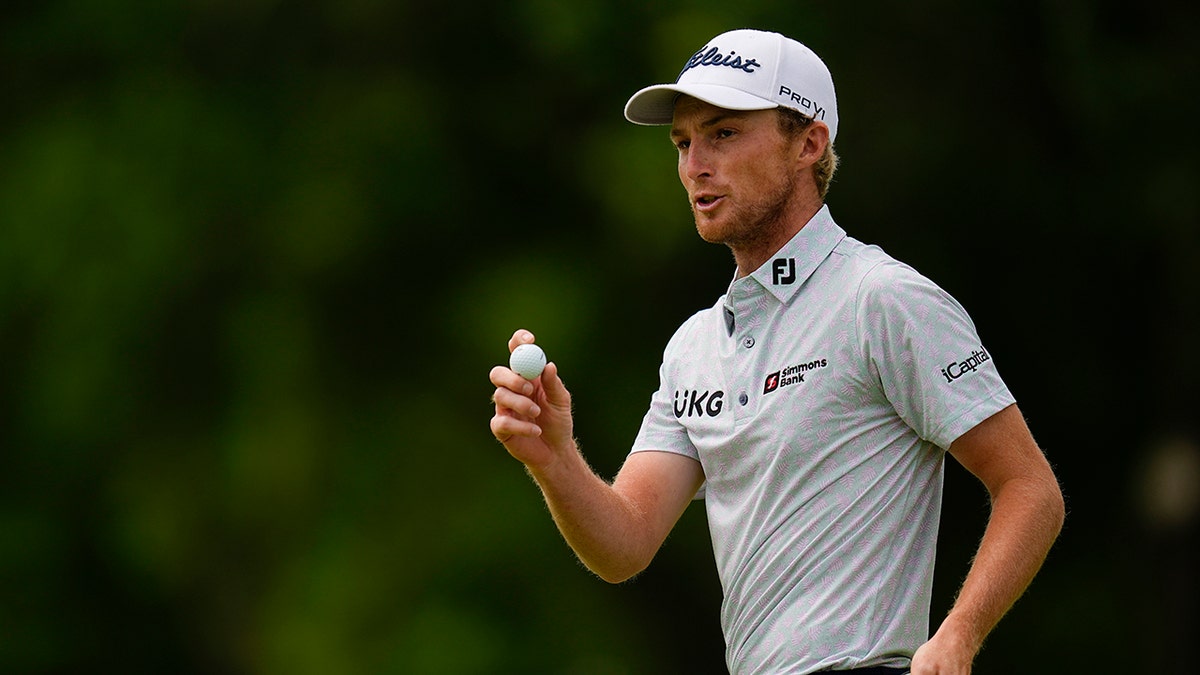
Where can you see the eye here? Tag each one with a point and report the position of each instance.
(682, 144)
(724, 133)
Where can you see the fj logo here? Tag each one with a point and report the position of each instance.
(783, 271)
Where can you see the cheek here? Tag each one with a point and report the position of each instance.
(772, 172)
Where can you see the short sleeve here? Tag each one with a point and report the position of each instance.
(660, 429)
(927, 354)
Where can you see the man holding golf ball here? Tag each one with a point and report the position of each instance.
(811, 407)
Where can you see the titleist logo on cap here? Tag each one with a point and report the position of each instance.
(712, 56)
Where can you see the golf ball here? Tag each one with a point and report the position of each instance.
(527, 361)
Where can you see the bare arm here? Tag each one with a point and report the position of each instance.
(1027, 515)
(614, 529)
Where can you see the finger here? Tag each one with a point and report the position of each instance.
(505, 378)
(521, 337)
(508, 400)
(506, 427)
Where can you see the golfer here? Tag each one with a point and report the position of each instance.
(811, 408)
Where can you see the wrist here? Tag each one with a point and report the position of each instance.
(562, 460)
(961, 634)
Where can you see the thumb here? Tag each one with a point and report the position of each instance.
(556, 392)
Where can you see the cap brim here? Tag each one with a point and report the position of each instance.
(656, 104)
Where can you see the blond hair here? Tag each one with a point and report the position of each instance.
(791, 123)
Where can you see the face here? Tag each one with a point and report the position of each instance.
(739, 172)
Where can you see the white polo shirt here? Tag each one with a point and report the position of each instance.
(821, 421)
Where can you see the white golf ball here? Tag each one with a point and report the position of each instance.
(527, 361)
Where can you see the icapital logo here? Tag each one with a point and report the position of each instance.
(791, 375)
(956, 370)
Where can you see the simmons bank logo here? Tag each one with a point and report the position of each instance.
(791, 375)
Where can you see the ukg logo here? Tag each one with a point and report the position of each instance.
(693, 403)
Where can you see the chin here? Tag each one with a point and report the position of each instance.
(714, 230)
(710, 232)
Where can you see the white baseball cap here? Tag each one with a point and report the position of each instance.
(745, 70)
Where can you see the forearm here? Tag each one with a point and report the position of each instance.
(606, 530)
(1027, 515)
(614, 529)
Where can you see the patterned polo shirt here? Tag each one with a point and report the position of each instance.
(819, 395)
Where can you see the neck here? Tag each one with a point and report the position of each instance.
(750, 255)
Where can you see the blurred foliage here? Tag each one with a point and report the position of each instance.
(256, 259)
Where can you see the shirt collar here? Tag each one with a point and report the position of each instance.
(786, 271)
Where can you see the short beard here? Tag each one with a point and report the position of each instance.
(758, 223)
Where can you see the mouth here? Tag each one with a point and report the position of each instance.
(707, 202)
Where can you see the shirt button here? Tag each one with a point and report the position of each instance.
(743, 398)
(747, 342)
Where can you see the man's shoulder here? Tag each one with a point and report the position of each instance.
(871, 261)
(868, 263)
(695, 326)
(875, 279)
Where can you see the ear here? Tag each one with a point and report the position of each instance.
(813, 143)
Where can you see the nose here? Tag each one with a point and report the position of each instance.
(696, 162)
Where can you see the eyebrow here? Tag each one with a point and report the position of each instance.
(711, 122)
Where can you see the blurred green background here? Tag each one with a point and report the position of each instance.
(257, 258)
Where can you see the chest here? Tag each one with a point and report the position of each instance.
(784, 371)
